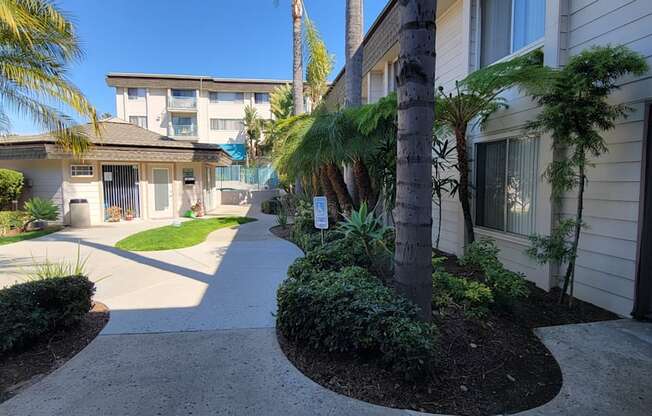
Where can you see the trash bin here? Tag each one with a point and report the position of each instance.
(80, 213)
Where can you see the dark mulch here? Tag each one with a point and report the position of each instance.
(282, 232)
(491, 367)
(20, 369)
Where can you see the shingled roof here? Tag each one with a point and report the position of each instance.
(119, 140)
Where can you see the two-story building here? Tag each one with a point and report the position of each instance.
(613, 269)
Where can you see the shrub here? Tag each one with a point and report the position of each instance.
(39, 209)
(10, 220)
(11, 186)
(32, 309)
(312, 241)
(473, 297)
(351, 311)
(333, 256)
(271, 206)
(303, 220)
(507, 286)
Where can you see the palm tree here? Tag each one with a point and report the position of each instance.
(297, 64)
(281, 102)
(38, 44)
(353, 85)
(319, 65)
(474, 99)
(253, 128)
(416, 100)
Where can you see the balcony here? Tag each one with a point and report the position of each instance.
(183, 130)
(182, 103)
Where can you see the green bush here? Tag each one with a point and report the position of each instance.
(39, 209)
(333, 256)
(351, 311)
(271, 206)
(507, 286)
(32, 309)
(11, 186)
(10, 220)
(312, 241)
(473, 297)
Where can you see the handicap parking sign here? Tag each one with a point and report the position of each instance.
(320, 211)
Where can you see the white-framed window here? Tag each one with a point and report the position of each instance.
(226, 97)
(182, 93)
(81, 171)
(234, 124)
(506, 178)
(508, 26)
(140, 121)
(135, 93)
(261, 98)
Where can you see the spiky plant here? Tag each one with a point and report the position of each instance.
(38, 45)
(253, 129)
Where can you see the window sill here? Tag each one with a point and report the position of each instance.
(501, 235)
(524, 50)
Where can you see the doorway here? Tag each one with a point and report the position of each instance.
(160, 191)
(120, 184)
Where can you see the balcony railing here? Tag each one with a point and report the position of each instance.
(185, 130)
(189, 103)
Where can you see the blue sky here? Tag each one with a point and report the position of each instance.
(223, 38)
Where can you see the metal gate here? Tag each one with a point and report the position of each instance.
(120, 183)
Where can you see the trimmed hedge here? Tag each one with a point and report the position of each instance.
(351, 311)
(32, 309)
(271, 206)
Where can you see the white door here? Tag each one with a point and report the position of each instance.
(160, 200)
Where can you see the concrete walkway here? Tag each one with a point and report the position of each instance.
(191, 333)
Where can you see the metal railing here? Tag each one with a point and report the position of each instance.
(263, 177)
(188, 130)
(182, 102)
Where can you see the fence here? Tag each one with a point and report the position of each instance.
(260, 177)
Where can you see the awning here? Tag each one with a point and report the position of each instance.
(237, 151)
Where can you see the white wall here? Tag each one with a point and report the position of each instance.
(89, 188)
(45, 177)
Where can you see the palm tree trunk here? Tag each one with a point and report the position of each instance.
(353, 75)
(363, 183)
(297, 64)
(329, 193)
(337, 181)
(463, 191)
(413, 213)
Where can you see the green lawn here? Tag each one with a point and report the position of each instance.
(27, 235)
(170, 237)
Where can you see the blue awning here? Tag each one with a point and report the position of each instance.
(237, 151)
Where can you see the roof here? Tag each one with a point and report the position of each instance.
(118, 134)
(141, 80)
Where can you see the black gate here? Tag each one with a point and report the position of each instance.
(120, 183)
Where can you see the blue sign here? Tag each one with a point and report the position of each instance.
(320, 210)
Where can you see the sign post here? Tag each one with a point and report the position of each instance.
(320, 213)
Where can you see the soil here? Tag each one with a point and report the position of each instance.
(21, 369)
(281, 232)
(494, 366)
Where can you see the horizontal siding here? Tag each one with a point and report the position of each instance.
(607, 251)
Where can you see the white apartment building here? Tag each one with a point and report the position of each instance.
(614, 267)
(192, 108)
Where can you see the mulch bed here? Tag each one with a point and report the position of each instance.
(492, 367)
(20, 369)
(281, 232)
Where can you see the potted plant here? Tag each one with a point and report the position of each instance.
(115, 213)
(198, 209)
(129, 214)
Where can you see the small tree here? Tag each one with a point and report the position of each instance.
(253, 129)
(575, 112)
(11, 186)
(473, 100)
(442, 163)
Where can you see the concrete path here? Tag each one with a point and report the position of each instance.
(191, 333)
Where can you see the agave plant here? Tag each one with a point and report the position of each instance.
(366, 227)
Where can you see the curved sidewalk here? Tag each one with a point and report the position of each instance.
(191, 333)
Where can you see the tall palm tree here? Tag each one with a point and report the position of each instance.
(297, 63)
(416, 100)
(353, 85)
(319, 65)
(253, 128)
(37, 45)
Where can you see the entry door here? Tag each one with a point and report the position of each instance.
(160, 192)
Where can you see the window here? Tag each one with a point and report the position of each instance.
(261, 98)
(506, 176)
(183, 93)
(508, 26)
(227, 124)
(135, 93)
(184, 126)
(188, 176)
(140, 121)
(226, 97)
(81, 171)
